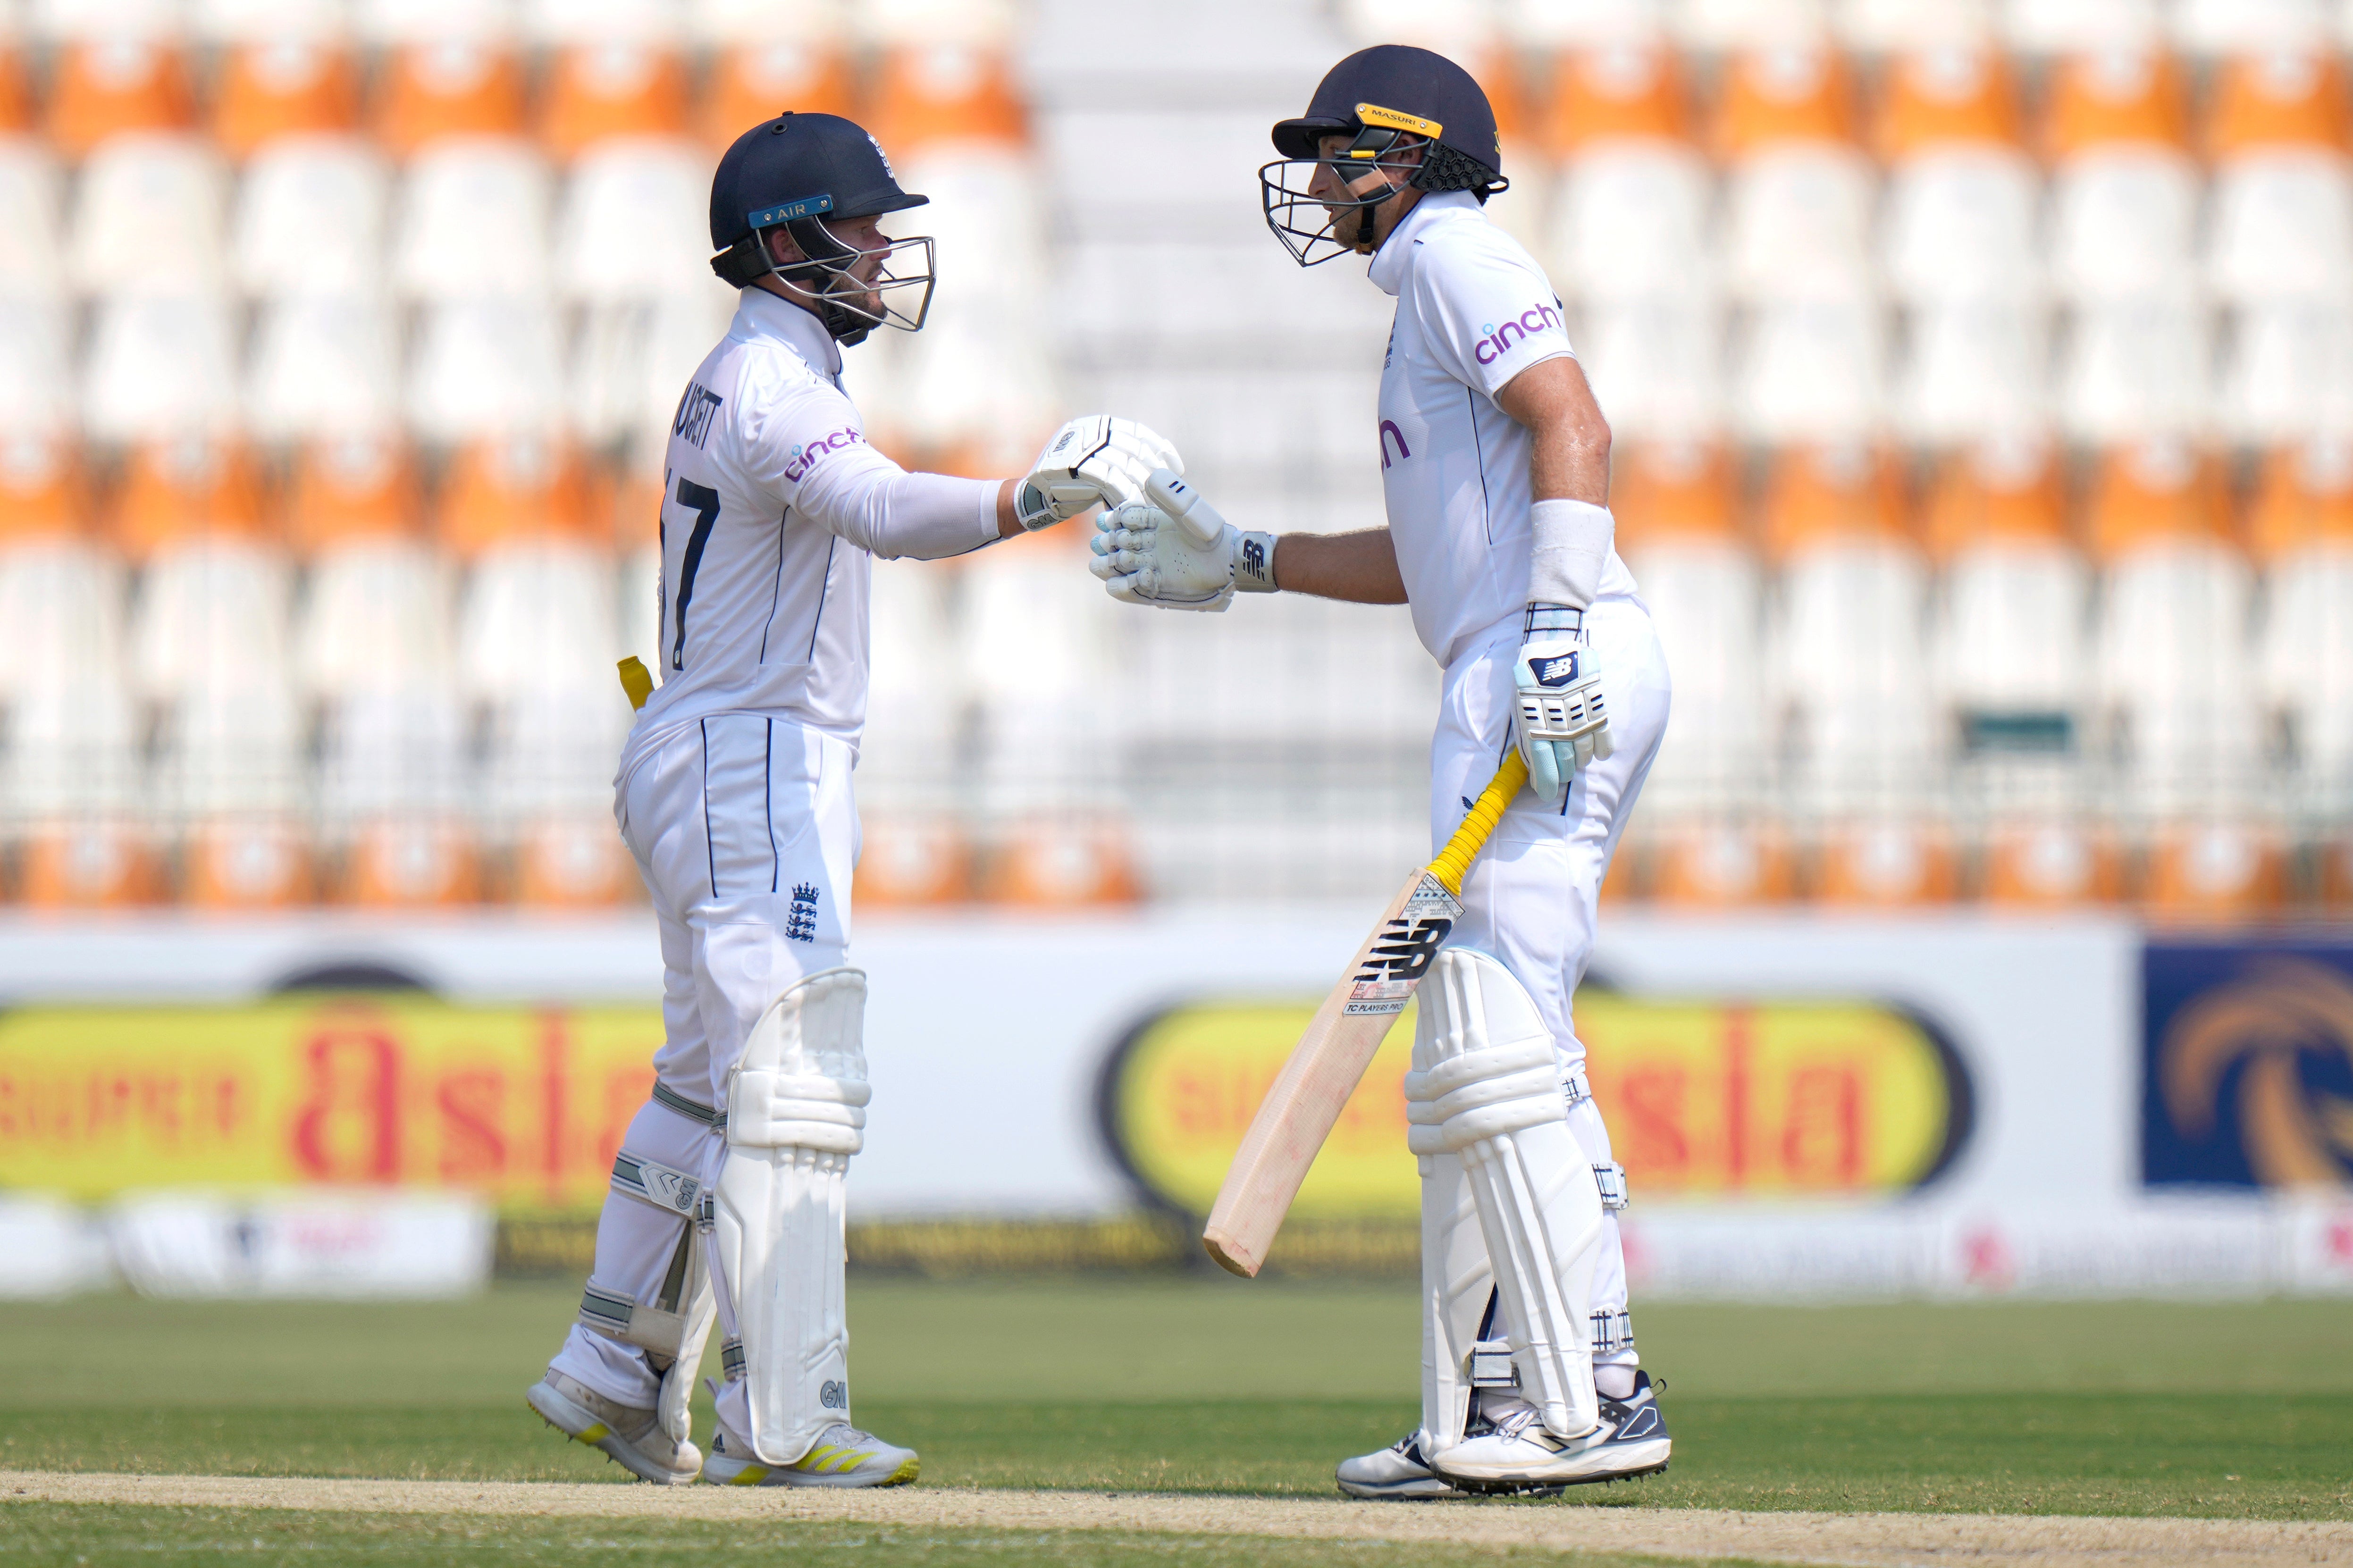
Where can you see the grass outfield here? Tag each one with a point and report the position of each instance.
(2216, 1411)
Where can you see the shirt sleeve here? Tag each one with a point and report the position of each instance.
(1486, 317)
(806, 447)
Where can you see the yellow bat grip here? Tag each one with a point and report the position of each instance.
(1455, 858)
(637, 680)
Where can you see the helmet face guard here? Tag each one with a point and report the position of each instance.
(1303, 220)
(826, 279)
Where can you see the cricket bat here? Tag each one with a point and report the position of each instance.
(1299, 1109)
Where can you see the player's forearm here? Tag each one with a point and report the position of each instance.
(1360, 568)
(1008, 516)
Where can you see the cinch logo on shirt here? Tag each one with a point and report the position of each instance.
(1388, 429)
(805, 457)
(1499, 339)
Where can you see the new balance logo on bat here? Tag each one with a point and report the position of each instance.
(1406, 950)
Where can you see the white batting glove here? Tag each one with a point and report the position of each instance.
(1175, 552)
(1094, 460)
(1561, 724)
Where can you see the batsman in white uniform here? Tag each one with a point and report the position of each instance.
(1495, 463)
(735, 796)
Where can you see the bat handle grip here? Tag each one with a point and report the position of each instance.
(1454, 861)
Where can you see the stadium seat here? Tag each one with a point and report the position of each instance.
(1703, 813)
(469, 88)
(310, 218)
(1798, 187)
(631, 359)
(1541, 27)
(906, 862)
(1631, 214)
(485, 365)
(1657, 366)
(289, 87)
(1902, 26)
(1962, 193)
(611, 89)
(2176, 685)
(1973, 369)
(634, 220)
(538, 635)
(31, 250)
(472, 221)
(322, 365)
(159, 365)
(1726, 24)
(36, 388)
(2133, 368)
(372, 650)
(1810, 369)
(103, 89)
(2243, 27)
(209, 654)
(69, 759)
(2282, 221)
(148, 216)
(2303, 536)
(972, 392)
(572, 23)
(391, 24)
(2123, 190)
(752, 79)
(1849, 665)
(2013, 660)
(2289, 372)
(2072, 27)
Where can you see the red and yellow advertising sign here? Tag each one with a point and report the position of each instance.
(524, 1104)
(1703, 1098)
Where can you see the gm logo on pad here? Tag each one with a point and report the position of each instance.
(1557, 671)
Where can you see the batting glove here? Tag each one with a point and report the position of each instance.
(1094, 460)
(1561, 724)
(1174, 551)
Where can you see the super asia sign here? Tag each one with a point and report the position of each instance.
(1702, 1099)
(526, 1105)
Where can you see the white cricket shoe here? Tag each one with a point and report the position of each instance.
(1398, 1473)
(841, 1456)
(634, 1439)
(1519, 1455)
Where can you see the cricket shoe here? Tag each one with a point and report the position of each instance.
(1519, 1455)
(1397, 1474)
(841, 1456)
(634, 1439)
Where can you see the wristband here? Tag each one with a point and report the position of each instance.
(1254, 564)
(1552, 621)
(1569, 546)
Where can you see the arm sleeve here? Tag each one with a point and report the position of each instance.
(1486, 315)
(806, 446)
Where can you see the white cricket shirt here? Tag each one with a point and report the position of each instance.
(773, 508)
(1473, 311)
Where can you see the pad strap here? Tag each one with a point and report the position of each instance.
(670, 1190)
(669, 1099)
(1611, 1179)
(1612, 1331)
(1492, 1365)
(633, 1323)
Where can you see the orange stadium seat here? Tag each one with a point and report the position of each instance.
(2124, 189)
(372, 650)
(290, 88)
(603, 92)
(750, 82)
(912, 862)
(1063, 862)
(209, 652)
(2177, 681)
(457, 87)
(537, 635)
(2282, 225)
(69, 759)
(1851, 663)
(31, 248)
(1703, 822)
(103, 90)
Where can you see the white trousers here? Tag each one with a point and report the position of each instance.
(746, 833)
(1532, 896)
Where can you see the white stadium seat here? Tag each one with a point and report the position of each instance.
(481, 366)
(2281, 224)
(2071, 26)
(322, 365)
(1971, 370)
(630, 360)
(635, 221)
(472, 221)
(1809, 371)
(147, 214)
(1797, 223)
(36, 388)
(2124, 221)
(311, 218)
(1657, 365)
(1751, 23)
(2303, 529)
(30, 252)
(2289, 371)
(1962, 197)
(2239, 26)
(2131, 368)
(158, 364)
(1631, 219)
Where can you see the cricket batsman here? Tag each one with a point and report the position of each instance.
(734, 794)
(1495, 468)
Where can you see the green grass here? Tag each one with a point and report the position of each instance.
(2242, 1411)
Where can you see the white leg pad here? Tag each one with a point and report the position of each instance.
(1485, 1089)
(795, 1113)
(1456, 1283)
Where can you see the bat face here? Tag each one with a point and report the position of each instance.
(1401, 951)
